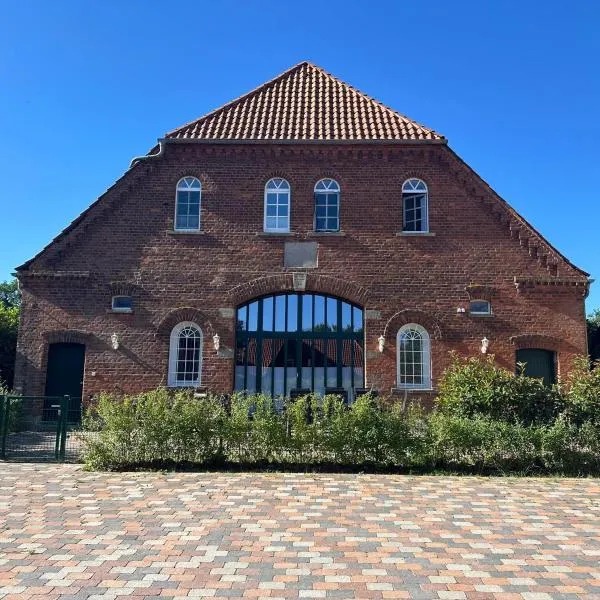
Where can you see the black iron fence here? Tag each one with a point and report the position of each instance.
(40, 427)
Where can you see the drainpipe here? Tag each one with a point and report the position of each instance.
(137, 159)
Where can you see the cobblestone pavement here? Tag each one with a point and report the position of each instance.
(73, 535)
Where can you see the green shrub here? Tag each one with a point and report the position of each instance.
(303, 428)
(472, 433)
(153, 428)
(334, 430)
(408, 439)
(485, 445)
(583, 392)
(476, 386)
(368, 431)
(572, 449)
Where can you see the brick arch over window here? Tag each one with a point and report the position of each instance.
(185, 314)
(414, 315)
(122, 288)
(67, 336)
(543, 342)
(284, 282)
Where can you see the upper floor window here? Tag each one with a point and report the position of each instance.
(415, 201)
(480, 307)
(185, 355)
(414, 357)
(187, 204)
(277, 205)
(327, 205)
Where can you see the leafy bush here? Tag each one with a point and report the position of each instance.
(153, 428)
(583, 392)
(475, 386)
(487, 421)
(485, 445)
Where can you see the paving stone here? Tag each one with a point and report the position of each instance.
(70, 535)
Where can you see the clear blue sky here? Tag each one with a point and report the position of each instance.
(85, 86)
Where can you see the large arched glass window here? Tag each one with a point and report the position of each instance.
(327, 205)
(277, 205)
(415, 199)
(185, 355)
(187, 204)
(293, 341)
(414, 357)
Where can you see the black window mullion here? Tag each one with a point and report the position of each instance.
(312, 347)
(273, 347)
(285, 367)
(299, 347)
(352, 385)
(246, 343)
(340, 343)
(259, 348)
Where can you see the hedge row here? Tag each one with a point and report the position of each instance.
(487, 421)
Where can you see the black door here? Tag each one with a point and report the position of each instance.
(538, 363)
(64, 375)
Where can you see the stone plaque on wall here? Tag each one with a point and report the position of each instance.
(300, 255)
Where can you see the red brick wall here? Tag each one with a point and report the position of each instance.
(125, 237)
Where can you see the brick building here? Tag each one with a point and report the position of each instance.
(301, 236)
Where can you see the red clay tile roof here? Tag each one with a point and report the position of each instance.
(305, 103)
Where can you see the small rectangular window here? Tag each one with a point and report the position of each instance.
(480, 307)
(122, 304)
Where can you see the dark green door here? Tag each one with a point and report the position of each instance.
(538, 363)
(64, 374)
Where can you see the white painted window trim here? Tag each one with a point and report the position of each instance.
(333, 188)
(173, 352)
(178, 189)
(409, 187)
(479, 312)
(289, 202)
(426, 352)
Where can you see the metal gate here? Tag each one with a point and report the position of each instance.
(39, 427)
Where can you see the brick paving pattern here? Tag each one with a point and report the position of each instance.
(68, 534)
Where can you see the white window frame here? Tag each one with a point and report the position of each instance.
(279, 191)
(173, 356)
(426, 358)
(479, 312)
(121, 309)
(184, 185)
(413, 187)
(330, 187)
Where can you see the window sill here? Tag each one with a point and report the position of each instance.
(481, 315)
(180, 386)
(396, 390)
(270, 234)
(182, 232)
(415, 234)
(326, 233)
(120, 311)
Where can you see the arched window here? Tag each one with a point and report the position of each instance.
(414, 357)
(327, 205)
(187, 204)
(277, 205)
(299, 341)
(185, 355)
(480, 307)
(415, 199)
